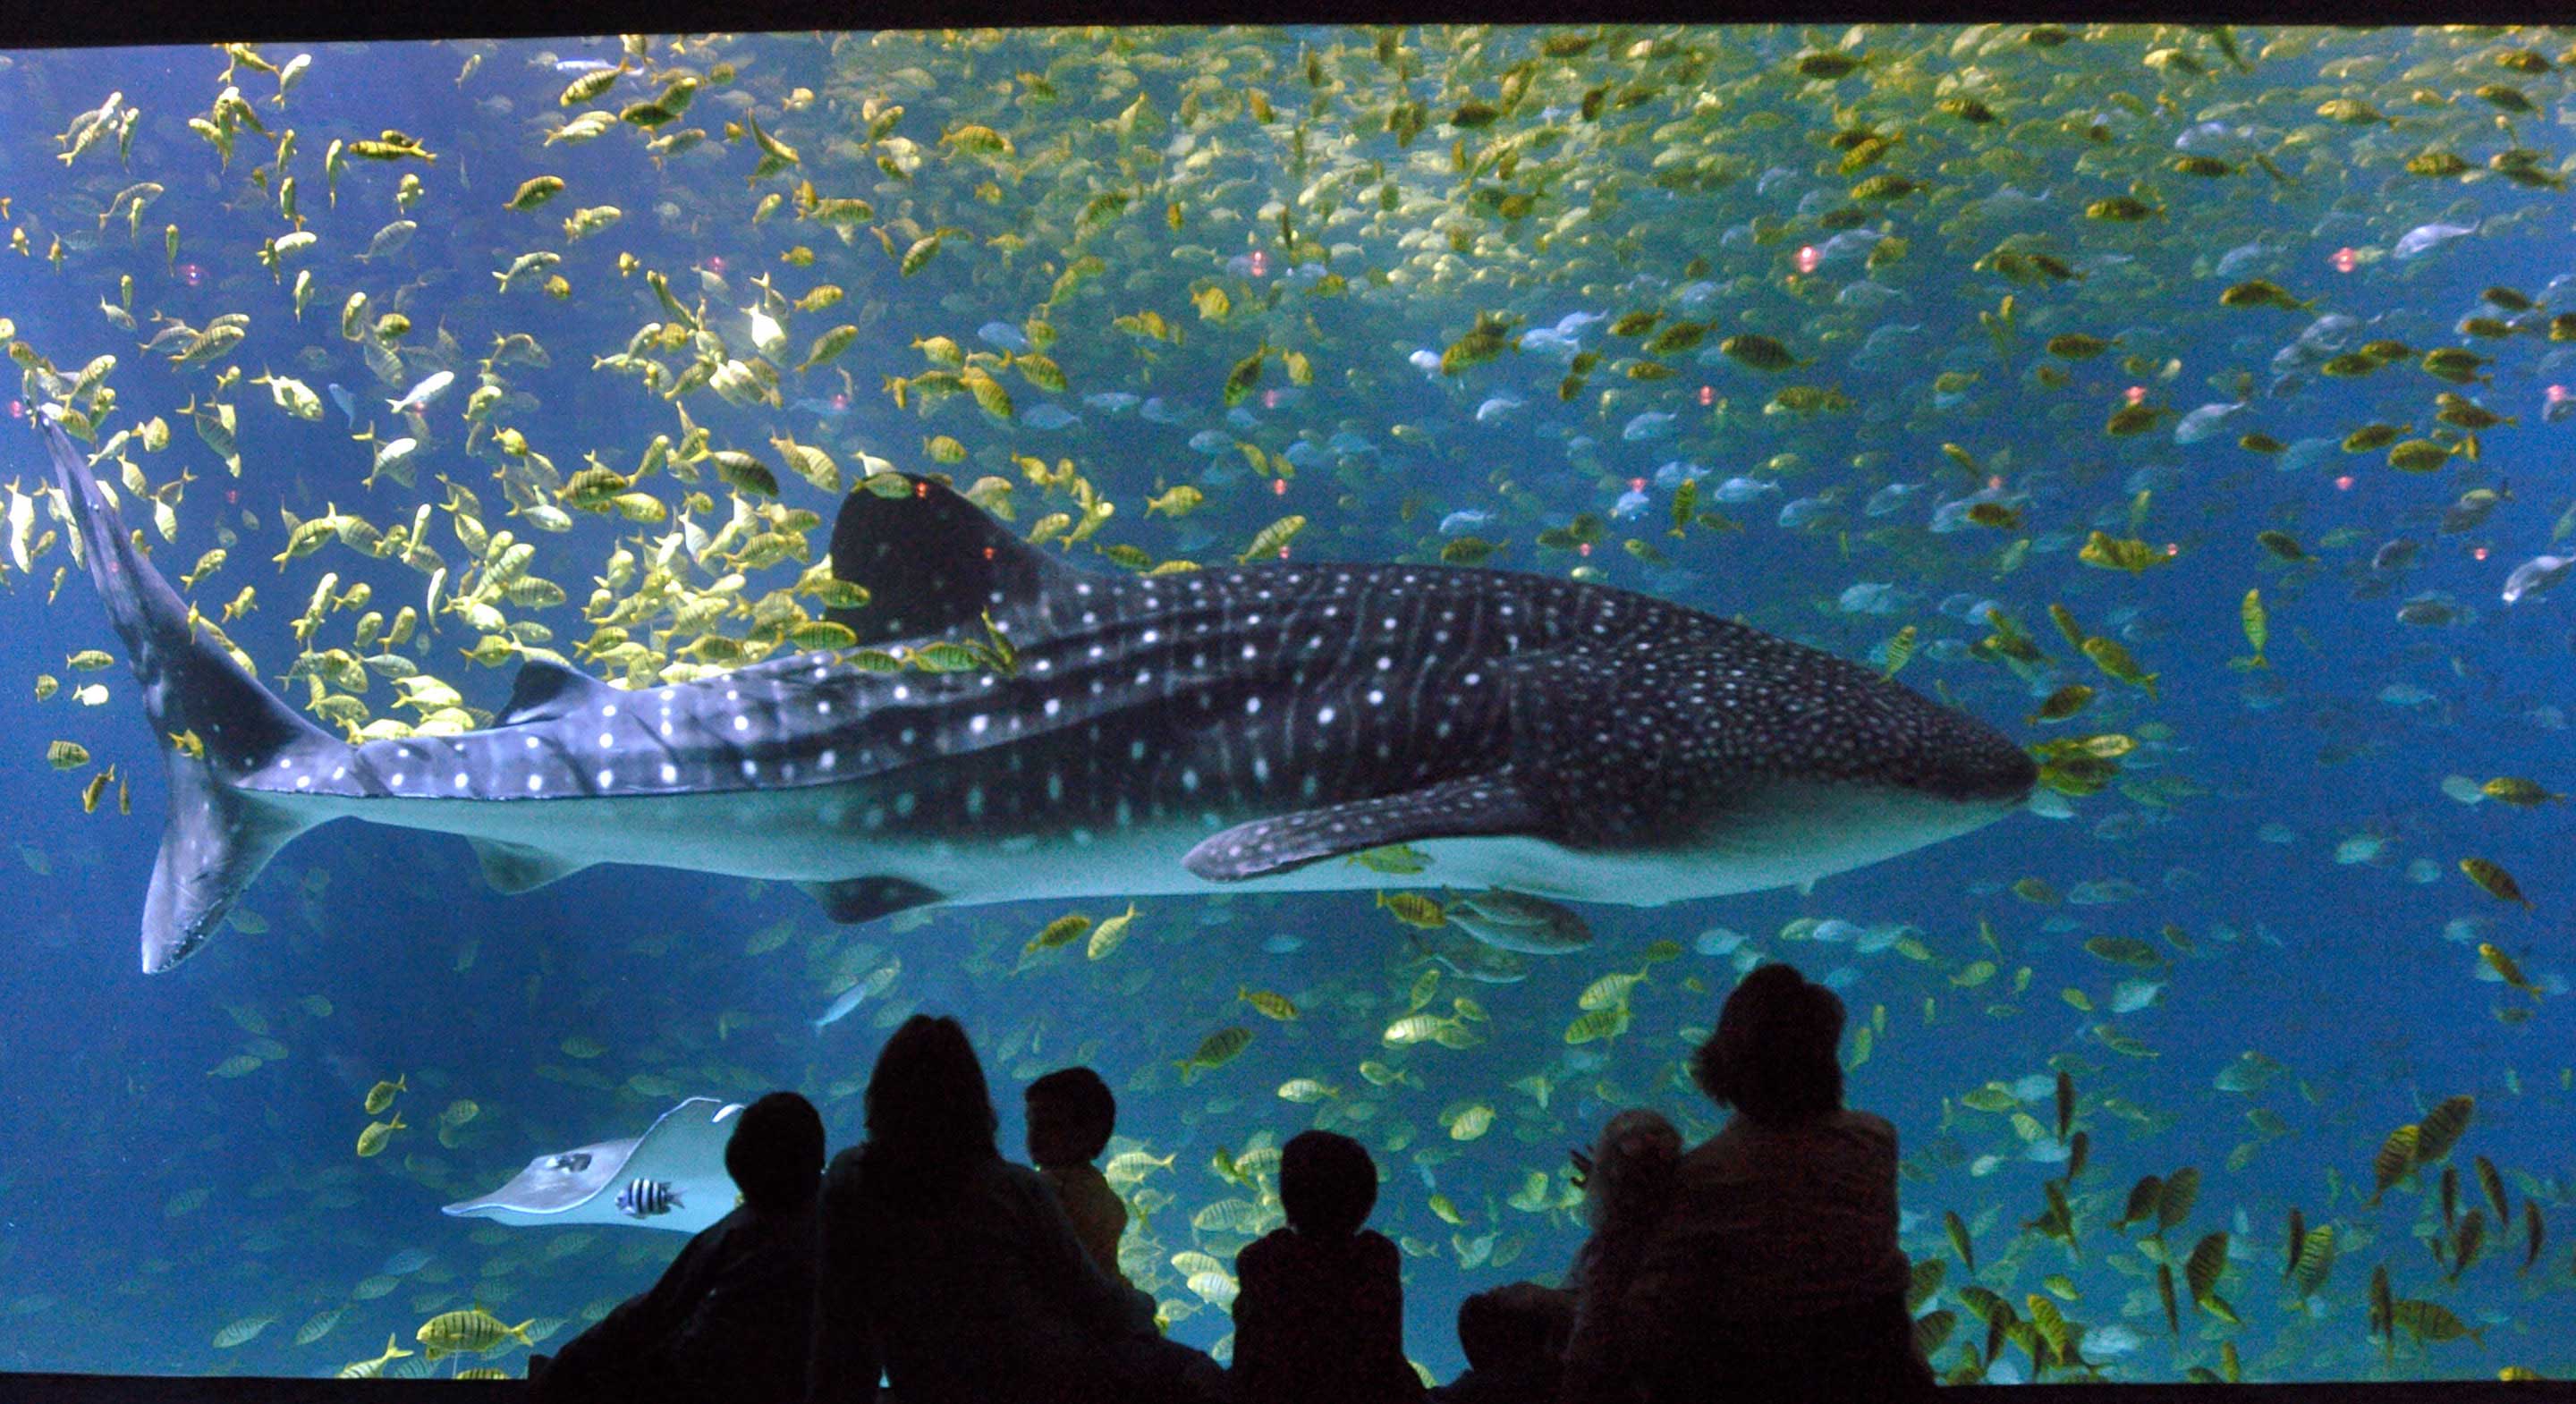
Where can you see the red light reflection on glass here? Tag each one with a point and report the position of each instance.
(1259, 263)
(2345, 260)
(2344, 483)
(1809, 256)
(1279, 487)
(2134, 393)
(191, 274)
(1270, 399)
(1708, 395)
(2480, 553)
(1583, 548)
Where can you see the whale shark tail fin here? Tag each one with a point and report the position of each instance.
(213, 721)
(932, 562)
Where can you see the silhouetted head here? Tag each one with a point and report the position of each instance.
(1327, 1184)
(1772, 1057)
(776, 1154)
(1632, 1168)
(930, 1117)
(1517, 1329)
(1071, 1113)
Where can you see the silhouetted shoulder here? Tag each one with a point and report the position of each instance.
(1256, 1257)
(1871, 1126)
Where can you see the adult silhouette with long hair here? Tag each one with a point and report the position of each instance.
(956, 1272)
(1774, 1274)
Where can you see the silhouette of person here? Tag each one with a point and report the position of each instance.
(955, 1273)
(1774, 1273)
(1320, 1316)
(1512, 1336)
(1071, 1114)
(1627, 1184)
(730, 1317)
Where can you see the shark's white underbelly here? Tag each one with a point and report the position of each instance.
(1790, 835)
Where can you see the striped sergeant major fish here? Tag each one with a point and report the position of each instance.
(643, 1199)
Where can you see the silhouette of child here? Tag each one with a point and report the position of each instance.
(1321, 1312)
(729, 1319)
(1513, 1336)
(1071, 1114)
(1627, 1184)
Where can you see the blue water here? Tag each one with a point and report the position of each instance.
(2280, 838)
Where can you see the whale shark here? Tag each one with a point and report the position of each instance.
(1220, 729)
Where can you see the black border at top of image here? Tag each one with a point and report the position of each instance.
(34, 24)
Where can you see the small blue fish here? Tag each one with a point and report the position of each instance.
(1109, 401)
(2424, 238)
(1159, 411)
(1050, 417)
(347, 402)
(643, 1199)
(1891, 498)
(1003, 335)
(1648, 424)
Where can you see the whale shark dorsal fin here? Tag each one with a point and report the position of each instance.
(545, 691)
(932, 562)
(1479, 805)
(854, 900)
(513, 868)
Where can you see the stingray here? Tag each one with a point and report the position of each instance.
(683, 1148)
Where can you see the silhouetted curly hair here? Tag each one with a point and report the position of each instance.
(1772, 1057)
(775, 1155)
(1085, 1099)
(930, 1115)
(1327, 1184)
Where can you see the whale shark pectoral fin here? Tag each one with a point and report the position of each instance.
(1485, 804)
(545, 691)
(513, 868)
(854, 900)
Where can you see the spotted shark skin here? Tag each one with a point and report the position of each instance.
(1213, 730)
